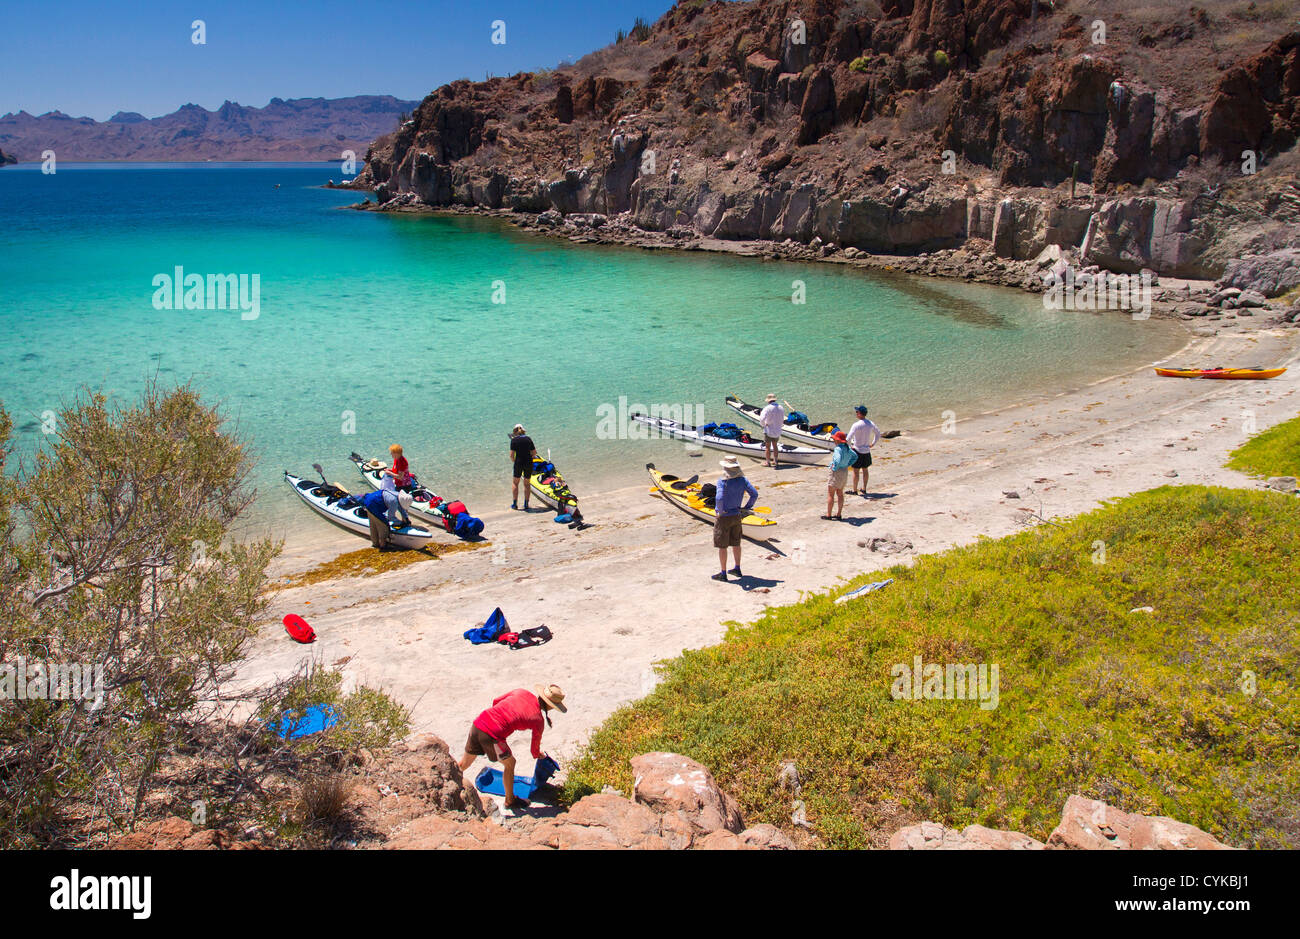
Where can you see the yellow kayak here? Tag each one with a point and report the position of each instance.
(1220, 372)
(685, 494)
(549, 486)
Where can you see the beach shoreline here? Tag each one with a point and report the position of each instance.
(634, 588)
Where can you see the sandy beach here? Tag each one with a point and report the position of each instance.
(634, 588)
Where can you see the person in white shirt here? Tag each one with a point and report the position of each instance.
(863, 435)
(772, 417)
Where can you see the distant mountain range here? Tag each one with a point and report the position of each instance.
(297, 129)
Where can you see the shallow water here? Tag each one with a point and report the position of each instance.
(373, 329)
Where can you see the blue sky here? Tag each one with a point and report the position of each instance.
(91, 57)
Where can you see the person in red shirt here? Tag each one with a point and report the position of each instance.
(514, 711)
(400, 470)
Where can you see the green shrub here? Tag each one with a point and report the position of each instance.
(860, 64)
(941, 58)
(1151, 712)
(1275, 452)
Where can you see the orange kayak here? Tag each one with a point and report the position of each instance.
(1220, 372)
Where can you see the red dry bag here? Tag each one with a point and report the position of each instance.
(297, 627)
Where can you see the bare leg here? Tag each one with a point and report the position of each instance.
(466, 760)
(722, 559)
(839, 495)
(514, 489)
(508, 777)
(830, 500)
(735, 552)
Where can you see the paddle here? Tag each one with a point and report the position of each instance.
(316, 467)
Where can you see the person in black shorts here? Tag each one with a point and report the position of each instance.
(522, 452)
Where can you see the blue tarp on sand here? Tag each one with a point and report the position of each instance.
(490, 780)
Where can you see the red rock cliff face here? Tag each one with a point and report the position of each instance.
(831, 119)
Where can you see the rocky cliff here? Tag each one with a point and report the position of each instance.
(297, 129)
(1138, 139)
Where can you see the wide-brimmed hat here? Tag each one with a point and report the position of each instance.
(771, 397)
(840, 437)
(404, 499)
(375, 464)
(517, 430)
(731, 466)
(553, 696)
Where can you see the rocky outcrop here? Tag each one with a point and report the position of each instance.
(676, 786)
(931, 836)
(7, 158)
(1256, 105)
(1127, 235)
(178, 834)
(1092, 824)
(415, 798)
(1269, 274)
(719, 124)
(1086, 824)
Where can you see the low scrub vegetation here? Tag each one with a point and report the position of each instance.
(1275, 452)
(125, 607)
(1146, 655)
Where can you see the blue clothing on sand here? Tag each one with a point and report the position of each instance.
(844, 457)
(731, 489)
(496, 625)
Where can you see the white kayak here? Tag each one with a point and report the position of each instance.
(326, 500)
(751, 448)
(424, 503)
(810, 435)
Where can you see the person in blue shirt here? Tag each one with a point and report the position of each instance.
(732, 489)
(376, 510)
(841, 460)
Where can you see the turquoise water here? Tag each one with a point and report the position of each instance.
(390, 319)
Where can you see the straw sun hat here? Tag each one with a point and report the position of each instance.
(731, 466)
(553, 696)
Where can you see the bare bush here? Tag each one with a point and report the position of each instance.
(323, 797)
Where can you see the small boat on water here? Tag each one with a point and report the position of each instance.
(744, 444)
(689, 496)
(800, 431)
(340, 507)
(1219, 372)
(549, 486)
